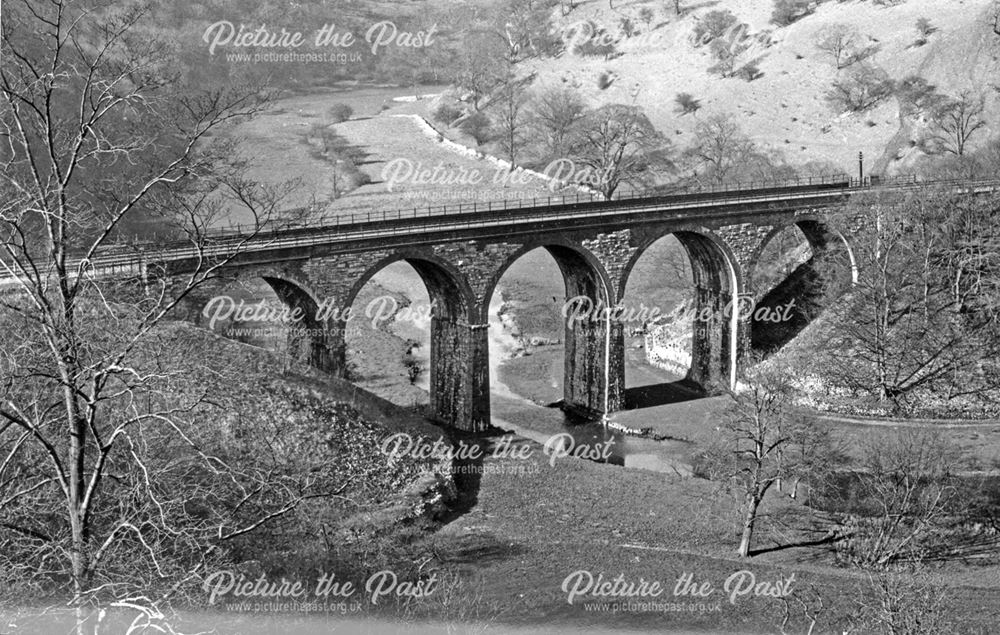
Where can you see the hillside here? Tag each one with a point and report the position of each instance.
(254, 401)
(785, 108)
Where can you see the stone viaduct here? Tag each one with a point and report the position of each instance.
(461, 258)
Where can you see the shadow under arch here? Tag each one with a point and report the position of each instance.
(310, 339)
(220, 301)
(593, 353)
(716, 328)
(458, 366)
(782, 311)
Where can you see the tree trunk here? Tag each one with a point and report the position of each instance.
(75, 466)
(749, 519)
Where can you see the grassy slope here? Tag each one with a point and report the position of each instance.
(785, 109)
(528, 531)
(245, 383)
(279, 154)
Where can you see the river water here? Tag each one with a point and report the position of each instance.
(516, 413)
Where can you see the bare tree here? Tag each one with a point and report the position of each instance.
(727, 53)
(480, 66)
(526, 26)
(98, 132)
(763, 443)
(806, 607)
(722, 153)
(905, 601)
(865, 87)
(721, 147)
(906, 487)
(917, 94)
(618, 144)
(839, 41)
(923, 310)
(554, 113)
(510, 114)
(955, 122)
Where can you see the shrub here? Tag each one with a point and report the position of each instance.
(727, 52)
(839, 41)
(924, 30)
(924, 27)
(749, 71)
(864, 88)
(788, 11)
(686, 103)
(598, 45)
(646, 15)
(916, 93)
(446, 113)
(714, 25)
(604, 80)
(347, 177)
(340, 112)
(890, 510)
(477, 126)
(626, 26)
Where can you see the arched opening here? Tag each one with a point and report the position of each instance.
(268, 311)
(387, 339)
(788, 287)
(546, 342)
(657, 315)
(680, 329)
(408, 339)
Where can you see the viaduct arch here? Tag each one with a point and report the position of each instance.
(461, 263)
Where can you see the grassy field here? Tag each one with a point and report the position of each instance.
(526, 533)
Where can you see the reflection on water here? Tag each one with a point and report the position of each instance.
(540, 424)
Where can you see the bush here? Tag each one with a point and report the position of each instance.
(340, 112)
(891, 508)
(604, 80)
(477, 126)
(924, 30)
(727, 52)
(864, 88)
(714, 25)
(349, 177)
(839, 41)
(598, 45)
(646, 15)
(626, 26)
(749, 72)
(924, 27)
(916, 93)
(446, 113)
(788, 11)
(686, 103)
